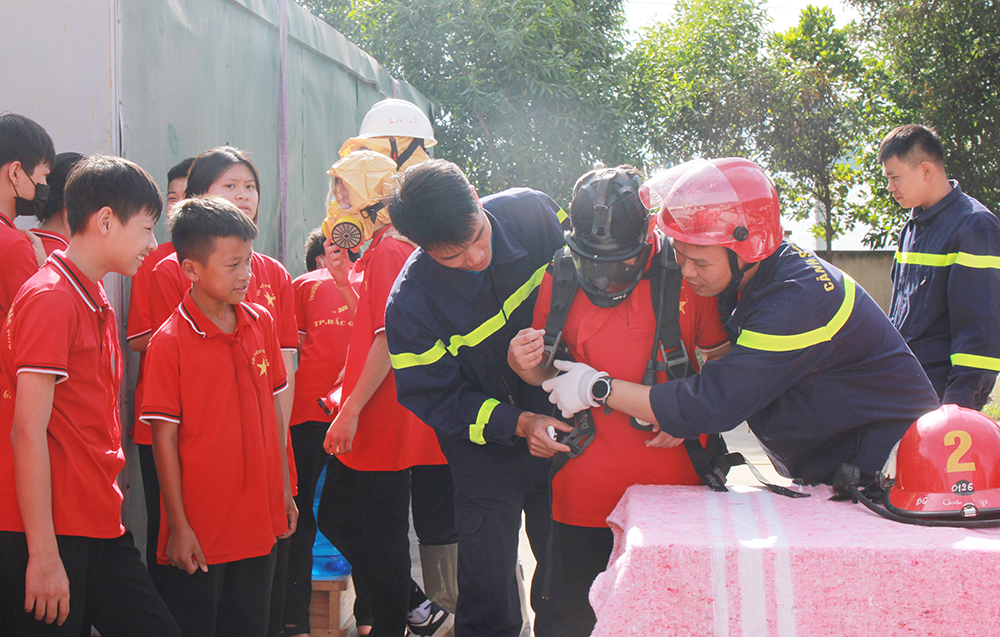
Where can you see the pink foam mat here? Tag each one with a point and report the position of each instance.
(689, 561)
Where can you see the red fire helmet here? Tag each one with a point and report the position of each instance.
(727, 202)
(946, 465)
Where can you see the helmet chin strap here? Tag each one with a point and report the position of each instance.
(729, 296)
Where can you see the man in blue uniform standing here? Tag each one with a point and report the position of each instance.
(816, 369)
(450, 316)
(946, 273)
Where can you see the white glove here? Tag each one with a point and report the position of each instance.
(571, 391)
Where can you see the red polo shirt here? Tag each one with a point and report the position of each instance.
(139, 325)
(389, 437)
(17, 262)
(61, 324)
(219, 388)
(618, 341)
(270, 286)
(51, 241)
(325, 323)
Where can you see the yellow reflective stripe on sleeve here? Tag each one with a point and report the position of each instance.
(476, 336)
(792, 342)
(561, 215)
(979, 362)
(952, 258)
(406, 359)
(482, 419)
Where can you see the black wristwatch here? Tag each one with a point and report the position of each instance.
(600, 389)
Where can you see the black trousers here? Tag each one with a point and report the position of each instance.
(151, 491)
(585, 553)
(109, 588)
(488, 532)
(432, 495)
(230, 600)
(365, 514)
(279, 586)
(310, 458)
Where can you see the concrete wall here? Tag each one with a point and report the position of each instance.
(870, 268)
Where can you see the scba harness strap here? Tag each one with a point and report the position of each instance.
(665, 290)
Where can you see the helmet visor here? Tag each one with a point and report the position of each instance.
(611, 276)
(699, 203)
(887, 477)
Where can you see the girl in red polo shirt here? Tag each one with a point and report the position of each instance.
(379, 444)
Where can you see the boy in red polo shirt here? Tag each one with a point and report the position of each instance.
(64, 555)
(611, 323)
(213, 370)
(26, 156)
(137, 335)
(53, 227)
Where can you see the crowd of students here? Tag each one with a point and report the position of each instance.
(215, 323)
(425, 327)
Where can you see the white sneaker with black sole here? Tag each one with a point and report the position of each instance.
(438, 623)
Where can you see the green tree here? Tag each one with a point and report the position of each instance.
(699, 84)
(526, 92)
(942, 63)
(814, 139)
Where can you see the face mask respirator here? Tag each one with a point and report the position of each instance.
(354, 205)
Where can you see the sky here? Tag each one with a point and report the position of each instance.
(784, 14)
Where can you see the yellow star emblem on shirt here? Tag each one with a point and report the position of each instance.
(270, 298)
(263, 365)
(683, 303)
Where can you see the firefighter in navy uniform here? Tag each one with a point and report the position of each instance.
(946, 271)
(452, 311)
(816, 369)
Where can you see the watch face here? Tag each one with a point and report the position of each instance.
(601, 388)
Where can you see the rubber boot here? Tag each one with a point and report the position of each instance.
(439, 565)
(523, 594)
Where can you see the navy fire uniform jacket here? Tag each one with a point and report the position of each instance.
(816, 369)
(448, 331)
(946, 296)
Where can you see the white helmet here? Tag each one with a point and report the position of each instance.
(397, 118)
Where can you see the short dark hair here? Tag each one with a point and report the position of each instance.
(180, 170)
(902, 141)
(629, 219)
(209, 166)
(56, 180)
(434, 205)
(103, 180)
(197, 222)
(314, 248)
(24, 140)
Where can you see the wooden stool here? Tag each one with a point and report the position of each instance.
(331, 610)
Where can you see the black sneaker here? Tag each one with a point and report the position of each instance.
(438, 622)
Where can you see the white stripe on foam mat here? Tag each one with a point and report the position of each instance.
(753, 586)
(720, 599)
(784, 591)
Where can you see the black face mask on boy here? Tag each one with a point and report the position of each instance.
(31, 207)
